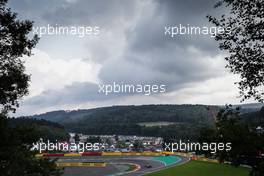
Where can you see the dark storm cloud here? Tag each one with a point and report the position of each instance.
(73, 94)
(92, 12)
(188, 8)
(148, 56)
(147, 34)
(152, 57)
(175, 67)
(34, 10)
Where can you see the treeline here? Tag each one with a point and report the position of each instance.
(47, 130)
(254, 118)
(32, 121)
(135, 114)
(124, 120)
(152, 113)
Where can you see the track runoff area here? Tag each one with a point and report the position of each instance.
(115, 163)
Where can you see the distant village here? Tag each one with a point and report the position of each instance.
(120, 143)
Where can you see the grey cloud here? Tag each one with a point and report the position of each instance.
(152, 57)
(149, 33)
(34, 10)
(73, 94)
(187, 8)
(92, 12)
(174, 67)
(147, 55)
(81, 93)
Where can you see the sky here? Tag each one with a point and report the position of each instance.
(131, 48)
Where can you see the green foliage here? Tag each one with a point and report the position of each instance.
(247, 143)
(258, 170)
(76, 138)
(14, 43)
(244, 43)
(231, 129)
(47, 130)
(16, 158)
(15, 155)
(138, 146)
(92, 139)
(255, 119)
(135, 114)
(124, 120)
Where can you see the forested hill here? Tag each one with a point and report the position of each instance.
(181, 121)
(254, 118)
(47, 130)
(135, 114)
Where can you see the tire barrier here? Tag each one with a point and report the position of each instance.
(131, 154)
(152, 154)
(53, 154)
(197, 158)
(39, 155)
(111, 154)
(102, 154)
(82, 164)
(167, 153)
(187, 155)
(91, 154)
(72, 154)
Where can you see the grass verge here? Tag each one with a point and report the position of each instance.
(200, 168)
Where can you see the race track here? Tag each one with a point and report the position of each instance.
(121, 165)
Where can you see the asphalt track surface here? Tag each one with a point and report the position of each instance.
(115, 165)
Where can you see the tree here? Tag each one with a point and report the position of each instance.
(76, 138)
(231, 129)
(138, 146)
(16, 158)
(14, 43)
(207, 134)
(244, 42)
(258, 170)
(247, 144)
(261, 116)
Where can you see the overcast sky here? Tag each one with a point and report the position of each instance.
(131, 48)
